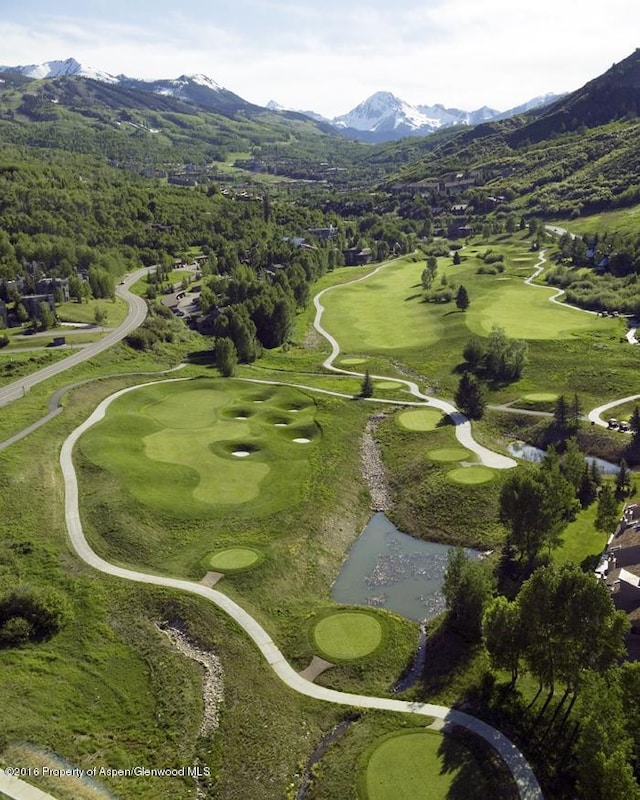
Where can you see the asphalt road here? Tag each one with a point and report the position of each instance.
(135, 317)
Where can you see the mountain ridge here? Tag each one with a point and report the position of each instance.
(381, 117)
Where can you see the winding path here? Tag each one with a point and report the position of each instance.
(523, 775)
(135, 317)
(463, 426)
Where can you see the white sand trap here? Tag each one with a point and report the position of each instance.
(281, 424)
(302, 441)
(294, 410)
(241, 453)
(242, 417)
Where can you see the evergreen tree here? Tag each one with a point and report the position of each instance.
(462, 299)
(226, 356)
(366, 388)
(623, 481)
(607, 514)
(470, 396)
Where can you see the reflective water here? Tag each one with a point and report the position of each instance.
(530, 453)
(388, 569)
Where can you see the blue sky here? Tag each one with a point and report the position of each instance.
(329, 55)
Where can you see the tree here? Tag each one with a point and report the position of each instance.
(607, 513)
(471, 396)
(588, 489)
(634, 423)
(504, 635)
(623, 481)
(226, 356)
(505, 358)
(604, 746)
(366, 387)
(474, 352)
(467, 589)
(429, 273)
(573, 463)
(520, 501)
(456, 258)
(561, 413)
(462, 298)
(100, 315)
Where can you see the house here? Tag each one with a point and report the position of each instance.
(355, 257)
(620, 563)
(53, 285)
(32, 303)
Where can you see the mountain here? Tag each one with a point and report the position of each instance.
(385, 117)
(61, 69)
(382, 117)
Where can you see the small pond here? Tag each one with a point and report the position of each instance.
(388, 569)
(530, 453)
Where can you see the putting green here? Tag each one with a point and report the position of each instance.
(347, 635)
(541, 397)
(234, 559)
(389, 385)
(352, 361)
(420, 419)
(471, 475)
(185, 446)
(449, 454)
(412, 765)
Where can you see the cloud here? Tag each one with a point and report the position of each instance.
(328, 56)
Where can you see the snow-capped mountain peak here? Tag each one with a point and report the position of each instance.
(62, 69)
(384, 111)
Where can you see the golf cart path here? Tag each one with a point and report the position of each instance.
(17, 789)
(462, 424)
(537, 270)
(595, 415)
(523, 775)
(135, 317)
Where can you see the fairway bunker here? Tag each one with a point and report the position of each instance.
(302, 440)
(240, 453)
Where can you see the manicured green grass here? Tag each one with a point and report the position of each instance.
(471, 475)
(187, 446)
(420, 765)
(233, 559)
(580, 539)
(116, 311)
(449, 454)
(388, 385)
(420, 419)
(348, 635)
(351, 361)
(541, 397)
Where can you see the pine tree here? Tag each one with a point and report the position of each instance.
(366, 388)
(462, 299)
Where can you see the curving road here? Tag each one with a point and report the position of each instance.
(523, 775)
(462, 424)
(136, 316)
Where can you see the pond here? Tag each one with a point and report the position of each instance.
(388, 569)
(530, 453)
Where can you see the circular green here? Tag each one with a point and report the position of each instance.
(471, 475)
(389, 385)
(347, 635)
(449, 454)
(412, 765)
(420, 419)
(353, 360)
(541, 397)
(234, 559)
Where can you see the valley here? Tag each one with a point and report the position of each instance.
(202, 472)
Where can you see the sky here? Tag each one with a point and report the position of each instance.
(329, 55)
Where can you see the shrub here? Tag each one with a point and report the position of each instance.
(32, 615)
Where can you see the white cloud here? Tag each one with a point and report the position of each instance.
(329, 56)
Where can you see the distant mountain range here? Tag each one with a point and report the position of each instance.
(382, 117)
(385, 117)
